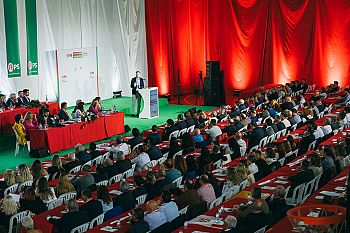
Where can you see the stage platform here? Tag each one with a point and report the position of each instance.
(123, 104)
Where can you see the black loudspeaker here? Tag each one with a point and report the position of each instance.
(214, 94)
(39, 153)
(126, 128)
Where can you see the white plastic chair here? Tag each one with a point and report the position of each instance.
(218, 164)
(25, 184)
(115, 179)
(174, 134)
(181, 132)
(80, 229)
(177, 182)
(16, 220)
(262, 142)
(312, 145)
(278, 134)
(141, 199)
(161, 160)
(128, 173)
(293, 127)
(177, 153)
(96, 161)
(166, 155)
(103, 182)
(281, 161)
(17, 142)
(261, 230)
(11, 189)
(216, 202)
(53, 204)
(309, 188)
(242, 150)
(253, 148)
(149, 165)
(270, 138)
(297, 195)
(96, 221)
(243, 184)
(74, 170)
(183, 211)
(135, 147)
(190, 129)
(67, 196)
(231, 192)
(283, 132)
(85, 164)
(317, 181)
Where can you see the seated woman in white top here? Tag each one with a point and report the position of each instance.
(78, 111)
(104, 197)
(44, 191)
(327, 128)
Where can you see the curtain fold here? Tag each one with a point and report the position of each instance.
(257, 42)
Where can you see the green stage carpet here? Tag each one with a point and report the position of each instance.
(123, 104)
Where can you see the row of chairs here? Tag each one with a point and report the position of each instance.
(179, 133)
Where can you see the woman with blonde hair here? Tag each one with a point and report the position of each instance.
(9, 179)
(64, 185)
(30, 121)
(56, 165)
(231, 179)
(9, 208)
(242, 174)
(23, 174)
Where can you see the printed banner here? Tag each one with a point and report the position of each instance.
(32, 40)
(11, 32)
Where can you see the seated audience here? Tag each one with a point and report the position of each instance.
(153, 151)
(56, 166)
(23, 174)
(141, 158)
(305, 174)
(119, 145)
(85, 180)
(37, 170)
(110, 168)
(168, 207)
(126, 200)
(256, 199)
(277, 204)
(154, 217)
(213, 130)
(138, 223)
(44, 191)
(27, 224)
(189, 197)
(9, 179)
(91, 206)
(62, 113)
(64, 185)
(30, 201)
(92, 151)
(104, 198)
(100, 174)
(171, 172)
(122, 164)
(154, 135)
(180, 164)
(81, 154)
(170, 127)
(9, 208)
(73, 218)
(206, 191)
(136, 139)
(181, 123)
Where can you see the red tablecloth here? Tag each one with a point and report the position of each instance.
(7, 118)
(334, 141)
(61, 138)
(284, 224)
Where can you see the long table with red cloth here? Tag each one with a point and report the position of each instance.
(7, 118)
(284, 224)
(60, 138)
(334, 140)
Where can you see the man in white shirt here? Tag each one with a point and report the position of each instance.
(141, 159)
(155, 218)
(213, 130)
(285, 121)
(296, 116)
(240, 140)
(119, 146)
(169, 208)
(318, 131)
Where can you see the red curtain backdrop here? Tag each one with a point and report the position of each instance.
(257, 41)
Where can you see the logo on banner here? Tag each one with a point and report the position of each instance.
(12, 67)
(77, 54)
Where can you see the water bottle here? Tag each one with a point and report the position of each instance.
(46, 100)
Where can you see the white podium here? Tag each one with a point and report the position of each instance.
(150, 103)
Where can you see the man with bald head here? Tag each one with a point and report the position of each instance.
(154, 217)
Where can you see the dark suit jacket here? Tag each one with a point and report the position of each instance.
(269, 131)
(36, 206)
(123, 165)
(255, 137)
(111, 170)
(155, 137)
(275, 128)
(302, 177)
(126, 200)
(83, 157)
(50, 121)
(70, 165)
(280, 125)
(190, 121)
(94, 154)
(278, 208)
(139, 227)
(63, 115)
(189, 197)
(93, 208)
(142, 85)
(259, 219)
(20, 101)
(134, 141)
(139, 191)
(169, 130)
(304, 144)
(70, 220)
(154, 153)
(181, 125)
(230, 130)
(10, 102)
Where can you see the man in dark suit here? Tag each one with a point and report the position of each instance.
(136, 139)
(154, 152)
(20, 98)
(138, 224)
(70, 220)
(110, 168)
(189, 120)
(305, 175)
(155, 136)
(122, 164)
(45, 119)
(189, 197)
(25, 98)
(12, 100)
(230, 129)
(257, 133)
(279, 123)
(126, 200)
(181, 123)
(171, 127)
(269, 130)
(277, 204)
(62, 113)
(81, 154)
(91, 206)
(136, 84)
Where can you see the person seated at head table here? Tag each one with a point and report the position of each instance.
(12, 101)
(78, 111)
(30, 121)
(45, 119)
(62, 113)
(94, 108)
(20, 98)
(3, 101)
(26, 99)
(70, 220)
